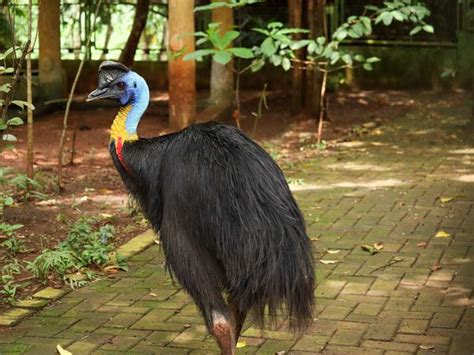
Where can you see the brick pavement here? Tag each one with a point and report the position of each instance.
(414, 296)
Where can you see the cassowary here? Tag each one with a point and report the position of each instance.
(231, 231)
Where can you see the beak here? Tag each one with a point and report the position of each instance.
(104, 93)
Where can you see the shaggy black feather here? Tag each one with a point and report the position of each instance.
(227, 220)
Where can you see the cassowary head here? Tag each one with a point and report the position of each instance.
(118, 82)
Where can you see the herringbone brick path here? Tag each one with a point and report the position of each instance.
(399, 187)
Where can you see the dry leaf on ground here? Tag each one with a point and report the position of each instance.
(241, 344)
(327, 262)
(61, 351)
(378, 246)
(427, 347)
(445, 199)
(442, 234)
(333, 251)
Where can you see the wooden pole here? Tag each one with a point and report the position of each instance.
(222, 77)
(182, 74)
(295, 9)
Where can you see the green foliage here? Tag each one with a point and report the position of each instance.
(53, 263)
(277, 46)
(220, 51)
(232, 4)
(14, 245)
(9, 229)
(5, 89)
(8, 286)
(84, 246)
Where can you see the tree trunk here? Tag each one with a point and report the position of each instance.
(52, 77)
(182, 74)
(314, 78)
(222, 77)
(295, 8)
(128, 54)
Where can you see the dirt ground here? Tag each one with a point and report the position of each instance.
(93, 188)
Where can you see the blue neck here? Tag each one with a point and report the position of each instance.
(139, 105)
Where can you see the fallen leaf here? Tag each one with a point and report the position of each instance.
(369, 248)
(333, 251)
(442, 234)
(378, 246)
(427, 347)
(422, 245)
(445, 199)
(47, 203)
(61, 351)
(112, 269)
(156, 241)
(397, 258)
(152, 294)
(314, 239)
(436, 266)
(241, 344)
(369, 124)
(327, 262)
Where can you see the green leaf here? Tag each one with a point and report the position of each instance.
(211, 6)
(7, 70)
(241, 52)
(359, 57)
(387, 18)
(321, 40)
(268, 47)
(8, 201)
(15, 121)
(335, 57)
(9, 138)
(276, 24)
(300, 44)
(367, 66)
(397, 15)
(202, 41)
(312, 47)
(197, 55)
(341, 34)
(415, 30)
(276, 60)
(371, 7)
(5, 87)
(22, 104)
(347, 59)
(373, 60)
(286, 64)
(227, 39)
(428, 28)
(257, 64)
(3, 125)
(222, 57)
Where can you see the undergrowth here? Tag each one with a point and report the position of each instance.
(82, 256)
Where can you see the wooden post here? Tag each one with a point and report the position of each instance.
(222, 77)
(52, 77)
(182, 74)
(295, 12)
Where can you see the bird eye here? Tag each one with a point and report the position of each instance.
(121, 85)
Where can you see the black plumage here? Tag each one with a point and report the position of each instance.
(228, 223)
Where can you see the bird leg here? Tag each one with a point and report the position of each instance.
(239, 318)
(223, 331)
